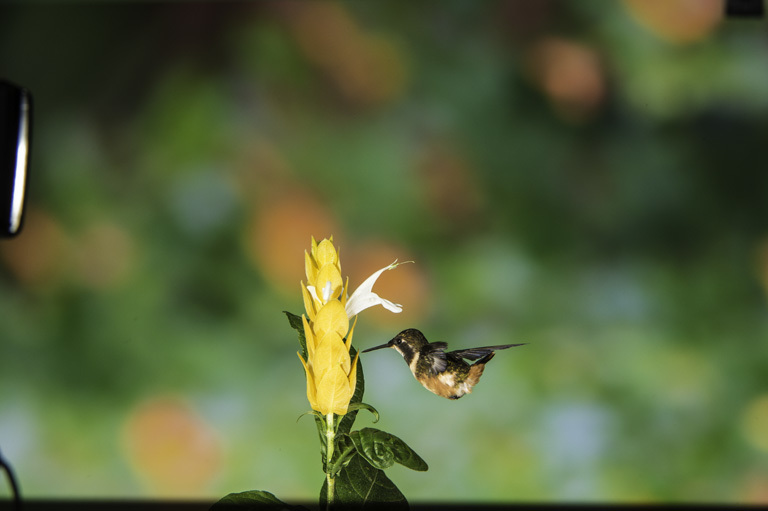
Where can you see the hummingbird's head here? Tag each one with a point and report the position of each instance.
(407, 343)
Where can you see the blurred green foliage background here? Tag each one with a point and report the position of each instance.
(585, 176)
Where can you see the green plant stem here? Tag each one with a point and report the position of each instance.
(330, 437)
(341, 459)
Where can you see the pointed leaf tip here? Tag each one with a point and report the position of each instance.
(252, 500)
(382, 450)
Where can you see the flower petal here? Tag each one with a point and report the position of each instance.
(331, 318)
(353, 374)
(313, 293)
(309, 338)
(325, 253)
(328, 283)
(364, 297)
(310, 268)
(333, 392)
(311, 390)
(331, 354)
(349, 334)
(309, 304)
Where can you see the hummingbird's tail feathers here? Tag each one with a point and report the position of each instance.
(505, 346)
(475, 353)
(481, 363)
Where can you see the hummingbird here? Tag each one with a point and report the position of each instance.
(444, 374)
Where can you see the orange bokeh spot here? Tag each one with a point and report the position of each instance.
(677, 21)
(754, 489)
(368, 70)
(105, 255)
(450, 186)
(570, 74)
(171, 448)
(39, 255)
(279, 232)
(407, 284)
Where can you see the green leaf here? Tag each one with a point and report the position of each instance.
(363, 486)
(382, 450)
(320, 422)
(298, 325)
(253, 499)
(345, 449)
(366, 406)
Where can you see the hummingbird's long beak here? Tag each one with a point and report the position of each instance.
(386, 345)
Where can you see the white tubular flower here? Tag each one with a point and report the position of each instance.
(364, 297)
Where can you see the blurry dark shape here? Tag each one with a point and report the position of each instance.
(523, 20)
(6, 467)
(762, 265)
(15, 117)
(744, 8)
(15, 112)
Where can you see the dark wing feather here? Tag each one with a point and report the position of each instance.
(436, 346)
(436, 350)
(476, 353)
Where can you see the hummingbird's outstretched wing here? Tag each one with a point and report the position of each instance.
(437, 352)
(476, 353)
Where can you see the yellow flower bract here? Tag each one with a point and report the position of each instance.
(331, 374)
